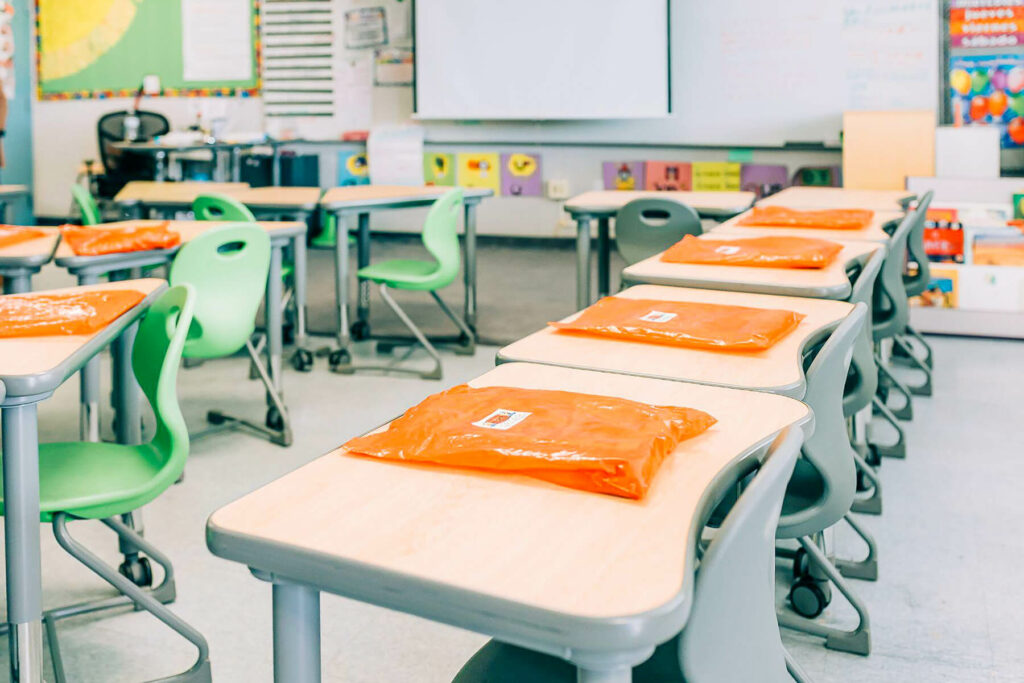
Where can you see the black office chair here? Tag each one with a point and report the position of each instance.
(120, 167)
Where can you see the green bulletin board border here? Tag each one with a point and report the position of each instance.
(164, 92)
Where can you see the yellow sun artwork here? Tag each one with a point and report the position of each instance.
(75, 33)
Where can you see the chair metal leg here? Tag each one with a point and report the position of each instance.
(885, 376)
(900, 355)
(898, 449)
(912, 361)
(277, 428)
(200, 671)
(795, 671)
(870, 505)
(855, 641)
(464, 343)
(866, 569)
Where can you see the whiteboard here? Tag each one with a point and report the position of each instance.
(538, 59)
(763, 73)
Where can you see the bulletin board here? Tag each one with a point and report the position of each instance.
(104, 48)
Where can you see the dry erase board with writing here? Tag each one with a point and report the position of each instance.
(764, 74)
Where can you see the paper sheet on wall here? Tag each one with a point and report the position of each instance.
(396, 155)
(353, 94)
(216, 40)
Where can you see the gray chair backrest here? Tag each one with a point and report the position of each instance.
(645, 227)
(828, 449)
(915, 245)
(859, 393)
(732, 601)
(889, 307)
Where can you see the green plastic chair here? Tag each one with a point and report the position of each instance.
(87, 205)
(228, 268)
(441, 239)
(86, 480)
(221, 207)
(903, 352)
(645, 227)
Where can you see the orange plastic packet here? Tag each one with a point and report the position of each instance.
(94, 241)
(16, 234)
(782, 217)
(581, 441)
(44, 315)
(758, 252)
(684, 323)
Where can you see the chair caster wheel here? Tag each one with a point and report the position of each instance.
(288, 335)
(274, 419)
(385, 348)
(138, 571)
(302, 360)
(360, 330)
(800, 564)
(807, 598)
(215, 418)
(339, 357)
(863, 484)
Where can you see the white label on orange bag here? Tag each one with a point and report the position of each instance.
(502, 419)
(727, 250)
(657, 317)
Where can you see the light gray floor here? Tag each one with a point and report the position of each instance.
(947, 606)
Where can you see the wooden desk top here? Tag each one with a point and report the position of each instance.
(514, 538)
(777, 369)
(169, 192)
(287, 197)
(872, 233)
(188, 230)
(837, 198)
(34, 252)
(608, 202)
(13, 190)
(26, 357)
(385, 195)
(830, 282)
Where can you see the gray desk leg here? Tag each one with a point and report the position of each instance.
(582, 261)
(127, 393)
(17, 284)
(236, 164)
(274, 319)
(299, 288)
(603, 257)
(3, 212)
(469, 274)
(21, 539)
(276, 166)
(341, 285)
(296, 633)
(624, 675)
(161, 166)
(363, 259)
(89, 379)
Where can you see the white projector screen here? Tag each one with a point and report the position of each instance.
(541, 59)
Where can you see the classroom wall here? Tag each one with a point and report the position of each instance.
(18, 143)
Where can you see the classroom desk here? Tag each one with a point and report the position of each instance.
(139, 196)
(831, 282)
(31, 369)
(604, 204)
(873, 233)
(159, 151)
(594, 578)
(8, 192)
(778, 369)
(805, 197)
(19, 262)
(360, 200)
(88, 270)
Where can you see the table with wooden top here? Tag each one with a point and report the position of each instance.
(7, 193)
(89, 269)
(874, 232)
(830, 282)
(140, 196)
(806, 197)
(360, 201)
(31, 369)
(596, 579)
(603, 205)
(778, 369)
(19, 262)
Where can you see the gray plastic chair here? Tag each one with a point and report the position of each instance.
(903, 352)
(645, 227)
(821, 492)
(731, 604)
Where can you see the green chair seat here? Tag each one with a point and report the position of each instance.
(99, 480)
(402, 274)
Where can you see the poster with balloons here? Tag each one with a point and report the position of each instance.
(989, 90)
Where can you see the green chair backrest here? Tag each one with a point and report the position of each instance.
(645, 227)
(917, 283)
(221, 207)
(228, 268)
(441, 237)
(86, 205)
(156, 356)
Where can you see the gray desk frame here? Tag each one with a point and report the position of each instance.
(8, 195)
(21, 480)
(17, 271)
(160, 152)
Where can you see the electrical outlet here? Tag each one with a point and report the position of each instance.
(556, 189)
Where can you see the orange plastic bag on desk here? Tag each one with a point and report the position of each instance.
(684, 323)
(16, 234)
(758, 252)
(45, 315)
(782, 217)
(94, 241)
(581, 441)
